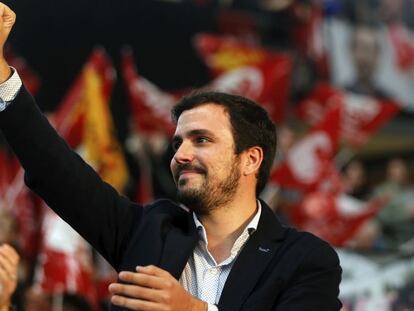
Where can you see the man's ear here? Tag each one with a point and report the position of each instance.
(253, 158)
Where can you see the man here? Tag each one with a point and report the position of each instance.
(223, 250)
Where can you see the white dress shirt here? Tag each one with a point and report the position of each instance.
(202, 276)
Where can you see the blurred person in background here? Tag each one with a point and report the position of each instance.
(9, 262)
(355, 182)
(396, 219)
(365, 51)
(281, 199)
(354, 179)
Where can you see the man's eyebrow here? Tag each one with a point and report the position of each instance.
(196, 132)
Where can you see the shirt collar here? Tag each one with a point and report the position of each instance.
(250, 228)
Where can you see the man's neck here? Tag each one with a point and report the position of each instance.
(225, 224)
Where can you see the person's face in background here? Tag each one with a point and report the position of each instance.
(205, 167)
(398, 172)
(7, 227)
(365, 53)
(286, 139)
(391, 10)
(355, 175)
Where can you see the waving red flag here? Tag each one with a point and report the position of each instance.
(248, 70)
(151, 107)
(65, 260)
(309, 161)
(363, 115)
(335, 218)
(403, 43)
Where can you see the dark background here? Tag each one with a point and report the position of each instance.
(56, 37)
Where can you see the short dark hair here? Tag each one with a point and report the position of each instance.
(251, 125)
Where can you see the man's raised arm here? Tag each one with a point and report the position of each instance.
(57, 174)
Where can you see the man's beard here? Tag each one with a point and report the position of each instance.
(211, 193)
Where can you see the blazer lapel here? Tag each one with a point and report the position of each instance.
(252, 261)
(179, 245)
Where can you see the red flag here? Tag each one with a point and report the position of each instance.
(22, 205)
(403, 44)
(248, 70)
(69, 117)
(363, 115)
(309, 161)
(335, 218)
(225, 53)
(307, 34)
(65, 260)
(266, 84)
(151, 107)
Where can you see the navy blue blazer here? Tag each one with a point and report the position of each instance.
(279, 268)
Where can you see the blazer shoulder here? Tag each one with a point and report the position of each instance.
(313, 248)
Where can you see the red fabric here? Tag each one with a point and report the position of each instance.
(309, 161)
(249, 70)
(363, 115)
(403, 44)
(325, 215)
(68, 119)
(307, 34)
(65, 260)
(151, 107)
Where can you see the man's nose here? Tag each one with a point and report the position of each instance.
(184, 153)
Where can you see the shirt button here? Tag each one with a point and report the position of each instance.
(214, 271)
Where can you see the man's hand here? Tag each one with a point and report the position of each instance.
(7, 20)
(9, 261)
(151, 288)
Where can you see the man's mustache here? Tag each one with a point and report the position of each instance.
(189, 167)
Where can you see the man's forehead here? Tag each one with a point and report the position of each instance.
(207, 117)
(204, 112)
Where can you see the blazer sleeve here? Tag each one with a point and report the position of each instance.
(65, 182)
(315, 284)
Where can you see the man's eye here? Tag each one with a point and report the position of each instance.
(175, 145)
(201, 140)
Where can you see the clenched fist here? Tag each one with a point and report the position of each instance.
(7, 20)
